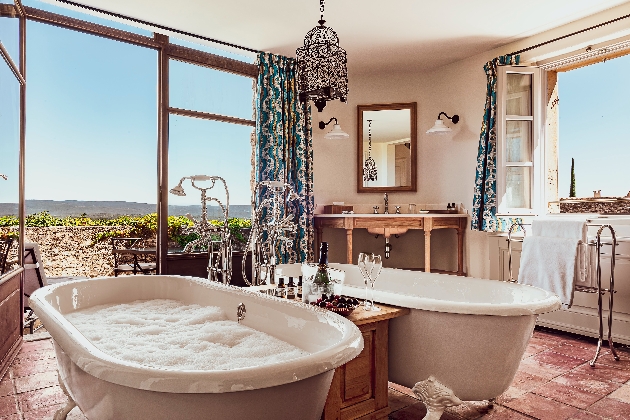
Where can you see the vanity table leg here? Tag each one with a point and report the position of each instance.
(460, 251)
(427, 251)
(428, 226)
(349, 246)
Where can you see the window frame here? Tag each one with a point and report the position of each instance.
(537, 164)
(166, 51)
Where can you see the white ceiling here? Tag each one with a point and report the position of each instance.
(377, 35)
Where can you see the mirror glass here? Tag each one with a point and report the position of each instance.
(387, 148)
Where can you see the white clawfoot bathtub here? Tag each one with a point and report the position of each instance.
(464, 338)
(105, 387)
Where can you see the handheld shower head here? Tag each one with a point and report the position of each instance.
(178, 190)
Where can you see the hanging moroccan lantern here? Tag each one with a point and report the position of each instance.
(322, 66)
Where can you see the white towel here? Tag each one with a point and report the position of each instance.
(560, 227)
(587, 266)
(550, 263)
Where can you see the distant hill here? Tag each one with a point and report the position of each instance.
(111, 209)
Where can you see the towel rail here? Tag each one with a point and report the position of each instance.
(586, 289)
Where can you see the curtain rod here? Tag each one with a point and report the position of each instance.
(155, 25)
(569, 35)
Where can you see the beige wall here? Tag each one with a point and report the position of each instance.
(446, 163)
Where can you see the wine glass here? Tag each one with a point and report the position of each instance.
(363, 263)
(375, 270)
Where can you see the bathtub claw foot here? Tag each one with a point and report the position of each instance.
(435, 396)
(63, 411)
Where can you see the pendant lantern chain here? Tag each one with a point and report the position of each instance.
(370, 171)
(369, 137)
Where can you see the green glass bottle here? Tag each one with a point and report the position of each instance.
(321, 277)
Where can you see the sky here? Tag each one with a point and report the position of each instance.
(594, 113)
(92, 119)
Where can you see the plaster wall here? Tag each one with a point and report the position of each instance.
(446, 163)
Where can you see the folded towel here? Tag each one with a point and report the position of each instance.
(587, 266)
(550, 263)
(560, 227)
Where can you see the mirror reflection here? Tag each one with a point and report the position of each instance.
(387, 147)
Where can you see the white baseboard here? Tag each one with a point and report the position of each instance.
(585, 321)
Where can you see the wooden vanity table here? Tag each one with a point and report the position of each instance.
(426, 222)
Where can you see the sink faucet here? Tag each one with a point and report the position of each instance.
(386, 204)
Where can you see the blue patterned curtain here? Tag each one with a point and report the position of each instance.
(484, 210)
(284, 146)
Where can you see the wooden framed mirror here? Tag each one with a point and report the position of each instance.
(387, 147)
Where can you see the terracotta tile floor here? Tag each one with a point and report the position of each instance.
(554, 382)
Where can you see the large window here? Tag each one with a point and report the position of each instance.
(583, 106)
(103, 99)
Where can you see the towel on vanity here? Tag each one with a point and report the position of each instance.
(551, 257)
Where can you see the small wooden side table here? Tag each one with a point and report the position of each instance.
(359, 388)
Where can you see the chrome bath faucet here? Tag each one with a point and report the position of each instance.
(386, 204)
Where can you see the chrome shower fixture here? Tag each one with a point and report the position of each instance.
(271, 232)
(216, 238)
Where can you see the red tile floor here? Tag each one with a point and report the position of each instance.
(554, 382)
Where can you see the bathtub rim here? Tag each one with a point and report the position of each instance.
(108, 368)
(548, 302)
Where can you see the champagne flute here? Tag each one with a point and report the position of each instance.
(363, 267)
(375, 271)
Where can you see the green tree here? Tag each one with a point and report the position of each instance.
(572, 188)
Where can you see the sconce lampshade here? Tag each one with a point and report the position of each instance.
(336, 133)
(439, 127)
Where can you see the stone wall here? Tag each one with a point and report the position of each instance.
(589, 205)
(68, 250)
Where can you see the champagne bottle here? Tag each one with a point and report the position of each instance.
(321, 277)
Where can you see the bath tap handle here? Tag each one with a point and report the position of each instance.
(375, 209)
(397, 209)
(240, 312)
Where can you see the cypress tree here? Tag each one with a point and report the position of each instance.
(572, 188)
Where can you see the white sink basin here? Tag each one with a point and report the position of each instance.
(387, 232)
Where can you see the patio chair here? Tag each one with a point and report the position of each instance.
(5, 246)
(34, 278)
(127, 257)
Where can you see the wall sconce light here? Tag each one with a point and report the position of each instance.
(439, 126)
(336, 133)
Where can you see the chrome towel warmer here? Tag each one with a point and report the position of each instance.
(599, 289)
